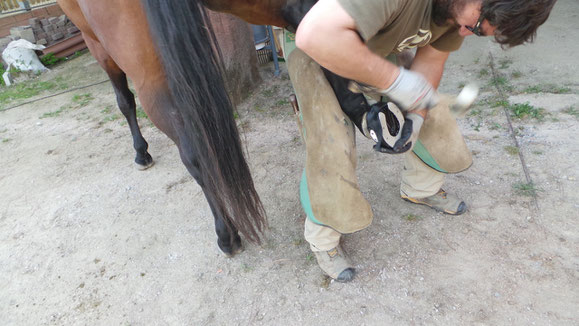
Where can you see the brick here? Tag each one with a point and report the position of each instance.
(72, 30)
(24, 32)
(44, 22)
(53, 20)
(48, 28)
(56, 36)
(34, 22)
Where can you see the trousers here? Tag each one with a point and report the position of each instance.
(329, 190)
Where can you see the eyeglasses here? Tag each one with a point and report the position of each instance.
(476, 29)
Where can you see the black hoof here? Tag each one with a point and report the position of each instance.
(230, 251)
(346, 275)
(144, 163)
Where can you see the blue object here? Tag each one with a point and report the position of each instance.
(261, 35)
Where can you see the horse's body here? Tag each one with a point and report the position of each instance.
(193, 110)
(164, 47)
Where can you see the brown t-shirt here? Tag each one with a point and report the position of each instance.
(391, 26)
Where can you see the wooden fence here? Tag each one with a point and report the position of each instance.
(18, 5)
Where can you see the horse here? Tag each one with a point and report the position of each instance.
(169, 51)
(165, 48)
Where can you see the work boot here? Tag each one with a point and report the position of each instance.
(335, 264)
(441, 201)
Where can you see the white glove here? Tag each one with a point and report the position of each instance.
(410, 131)
(410, 91)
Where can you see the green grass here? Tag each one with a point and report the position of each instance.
(501, 82)
(411, 217)
(5, 140)
(53, 114)
(525, 110)
(50, 59)
(495, 126)
(516, 74)
(82, 100)
(505, 63)
(526, 189)
(282, 102)
(572, 111)
(483, 72)
(310, 257)
(547, 88)
(512, 150)
(142, 115)
(25, 90)
(538, 152)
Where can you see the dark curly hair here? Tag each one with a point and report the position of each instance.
(516, 20)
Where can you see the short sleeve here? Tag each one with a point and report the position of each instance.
(449, 41)
(371, 15)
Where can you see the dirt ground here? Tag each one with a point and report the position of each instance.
(87, 239)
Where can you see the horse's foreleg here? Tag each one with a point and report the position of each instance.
(125, 101)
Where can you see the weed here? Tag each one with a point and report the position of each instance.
(571, 110)
(82, 100)
(112, 117)
(310, 257)
(298, 242)
(547, 88)
(107, 109)
(412, 217)
(526, 189)
(53, 114)
(538, 152)
(246, 268)
(501, 82)
(475, 112)
(476, 126)
(505, 63)
(502, 103)
(512, 150)
(50, 59)
(525, 110)
(483, 72)
(516, 74)
(282, 102)
(5, 140)
(461, 85)
(495, 126)
(476, 61)
(142, 115)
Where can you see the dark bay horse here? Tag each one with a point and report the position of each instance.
(165, 48)
(168, 49)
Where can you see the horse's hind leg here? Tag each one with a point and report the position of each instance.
(125, 101)
(228, 238)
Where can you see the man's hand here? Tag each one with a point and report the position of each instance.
(410, 132)
(410, 91)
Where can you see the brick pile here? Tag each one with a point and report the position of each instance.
(44, 31)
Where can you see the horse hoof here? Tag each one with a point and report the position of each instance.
(143, 167)
(236, 249)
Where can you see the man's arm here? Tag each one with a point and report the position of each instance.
(328, 35)
(429, 62)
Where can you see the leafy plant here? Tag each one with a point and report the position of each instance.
(525, 110)
(526, 189)
(512, 150)
(50, 59)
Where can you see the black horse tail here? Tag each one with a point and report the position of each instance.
(191, 59)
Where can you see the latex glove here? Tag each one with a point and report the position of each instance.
(410, 131)
(410, 91)
(374, 127)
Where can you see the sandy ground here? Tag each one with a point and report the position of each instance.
(87, 239)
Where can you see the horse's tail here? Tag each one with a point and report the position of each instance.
(192, 62)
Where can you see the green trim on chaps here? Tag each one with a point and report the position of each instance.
(330, 193)
(441, 145)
